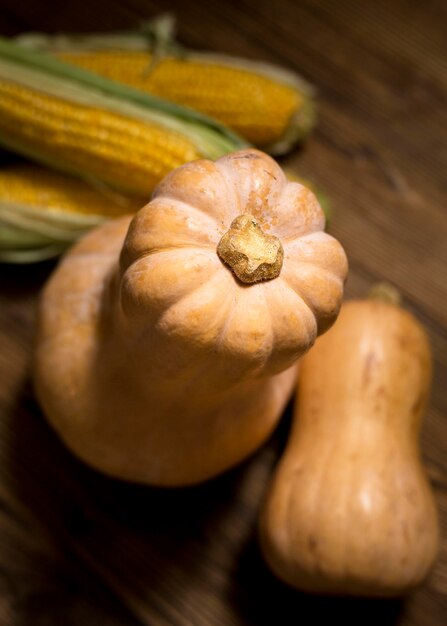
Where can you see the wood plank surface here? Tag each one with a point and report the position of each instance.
(77, 548)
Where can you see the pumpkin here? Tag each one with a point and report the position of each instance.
(167, 343)
(350, 510)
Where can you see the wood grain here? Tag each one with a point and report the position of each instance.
(78, 548)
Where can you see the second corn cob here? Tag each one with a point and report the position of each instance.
(42, 211)
(270, 107)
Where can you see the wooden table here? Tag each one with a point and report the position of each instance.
(77, 548)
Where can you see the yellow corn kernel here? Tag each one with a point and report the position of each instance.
(45, 191)
(255, 106)
(121, 151)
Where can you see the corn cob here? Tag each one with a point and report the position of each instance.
(87, 125)
(268, 106)
(42, 212)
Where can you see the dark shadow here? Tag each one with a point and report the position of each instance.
(22, 281)
(9, 158)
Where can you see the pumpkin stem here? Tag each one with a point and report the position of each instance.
(252, 255)
(385, 293)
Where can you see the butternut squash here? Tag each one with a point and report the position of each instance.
(167, 344)
(350, 510)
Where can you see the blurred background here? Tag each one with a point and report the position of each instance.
(78, 548)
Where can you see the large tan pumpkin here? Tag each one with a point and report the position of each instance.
(166, 348)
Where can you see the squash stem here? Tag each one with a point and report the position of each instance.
(252, 255)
